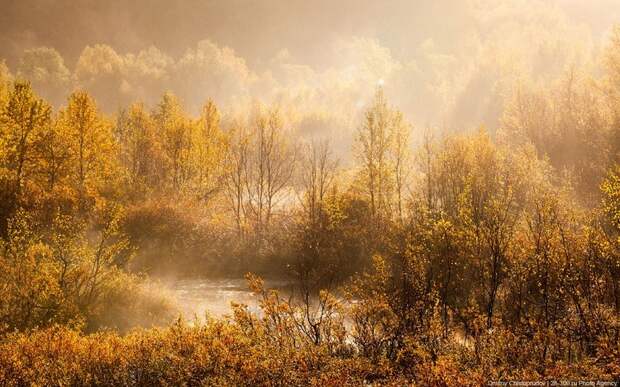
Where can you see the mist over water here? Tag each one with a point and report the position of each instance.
(212, 297)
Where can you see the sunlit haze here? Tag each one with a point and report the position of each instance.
(309, 193)
(444, 63)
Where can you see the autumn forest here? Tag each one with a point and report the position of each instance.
(406, 254)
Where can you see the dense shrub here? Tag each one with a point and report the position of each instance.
(276, 349)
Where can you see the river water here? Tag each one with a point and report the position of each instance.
(200, 297)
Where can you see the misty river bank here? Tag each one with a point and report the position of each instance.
(199, 297)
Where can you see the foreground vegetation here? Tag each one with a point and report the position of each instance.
(481, 256)
(281, 348)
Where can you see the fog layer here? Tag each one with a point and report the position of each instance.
(441, 62)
